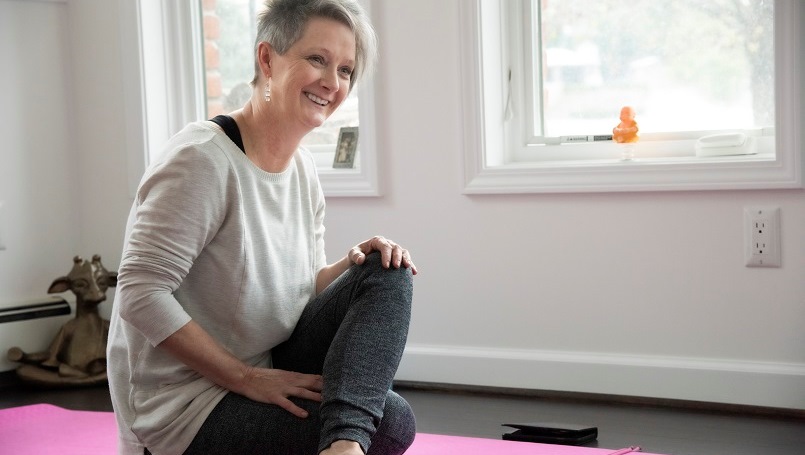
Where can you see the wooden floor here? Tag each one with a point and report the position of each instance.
(657, 429)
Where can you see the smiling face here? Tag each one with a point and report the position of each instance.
(312, 79)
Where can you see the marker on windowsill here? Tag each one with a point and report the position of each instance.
(626, 450)
(585, 138)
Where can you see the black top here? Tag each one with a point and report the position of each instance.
(231, 129)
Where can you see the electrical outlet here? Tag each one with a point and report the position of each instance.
(762, 237)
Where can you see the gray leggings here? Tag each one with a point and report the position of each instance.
(353, 334)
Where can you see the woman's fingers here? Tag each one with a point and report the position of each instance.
(284, 401)
(312, 382)
(309, 389)
(275, 386)
(407, 262)
(289, 406)
(356, 255)
(391, 253)
(307, 394)
(394, 255)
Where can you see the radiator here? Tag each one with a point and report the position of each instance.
(35, 309)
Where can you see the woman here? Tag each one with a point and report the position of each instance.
(230, 333)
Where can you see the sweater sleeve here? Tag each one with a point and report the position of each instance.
(181, 204)
(318, 226)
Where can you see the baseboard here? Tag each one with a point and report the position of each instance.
(604, 399)
(9, 379)
(768, 385)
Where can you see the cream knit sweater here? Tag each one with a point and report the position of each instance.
(212, 238)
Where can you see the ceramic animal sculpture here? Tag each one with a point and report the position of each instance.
(77, 356)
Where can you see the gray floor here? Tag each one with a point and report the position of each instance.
(656, 429)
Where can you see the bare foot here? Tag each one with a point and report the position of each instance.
(343, 447)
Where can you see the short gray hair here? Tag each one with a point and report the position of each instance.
(282, 23)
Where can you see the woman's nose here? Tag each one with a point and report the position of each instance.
(329, 79)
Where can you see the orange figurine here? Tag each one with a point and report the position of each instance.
(626, 131)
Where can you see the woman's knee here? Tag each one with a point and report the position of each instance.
(399, 277)
(399, 423)
(387, 292)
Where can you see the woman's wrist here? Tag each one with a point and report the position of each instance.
(238, 383)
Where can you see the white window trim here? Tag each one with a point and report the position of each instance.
(133, 102)
(483, 129)
(168, 92)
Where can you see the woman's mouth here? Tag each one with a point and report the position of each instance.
(316, 99)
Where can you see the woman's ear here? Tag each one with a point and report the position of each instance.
(264, 54)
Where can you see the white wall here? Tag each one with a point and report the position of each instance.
(63, 171)
(38, 170)
(637, 294)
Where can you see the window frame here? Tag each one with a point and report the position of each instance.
(488, 169)
(166, 90)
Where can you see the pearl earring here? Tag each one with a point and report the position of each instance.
(267, 90)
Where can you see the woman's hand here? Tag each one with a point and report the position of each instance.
(391, 254)
(275, 386)
(193, 346)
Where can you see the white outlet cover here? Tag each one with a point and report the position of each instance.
(771, 255)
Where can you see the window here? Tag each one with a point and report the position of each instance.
(195, 63)
(543, 73)
(229, 35)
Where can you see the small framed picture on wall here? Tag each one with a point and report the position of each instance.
(346, 148)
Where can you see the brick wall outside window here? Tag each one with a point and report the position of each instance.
(212, 59)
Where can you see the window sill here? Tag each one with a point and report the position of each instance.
(346, 182)
(683, 173)
(639, 161)
(342, 182)
(642, 152)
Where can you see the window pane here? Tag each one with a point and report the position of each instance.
(685, 65)
(229, 34)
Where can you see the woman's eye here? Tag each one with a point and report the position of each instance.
(346, 71)
(317, 59)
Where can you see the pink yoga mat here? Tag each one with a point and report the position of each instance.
(436, 444)
(43, 429)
